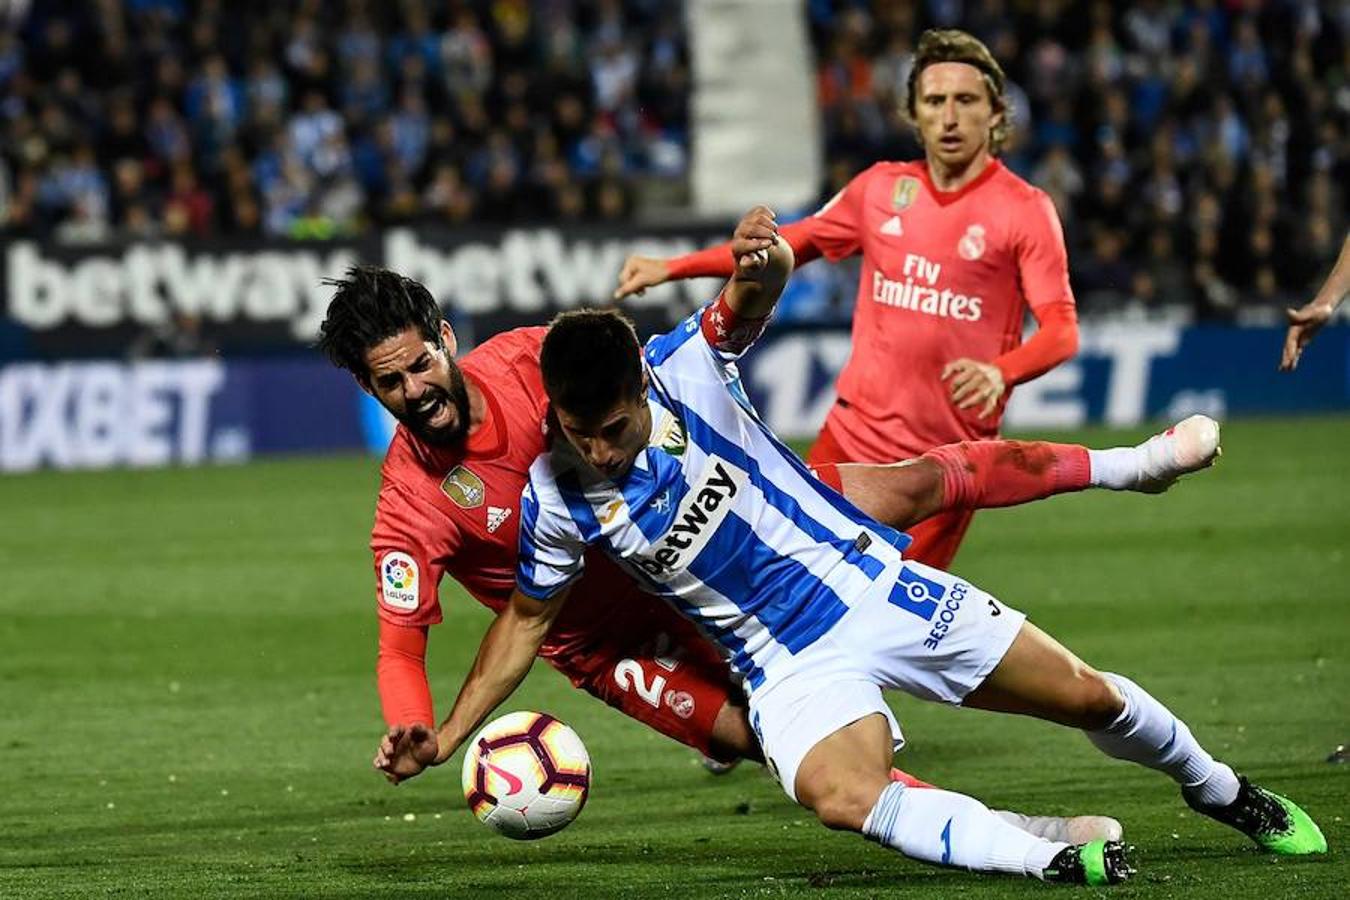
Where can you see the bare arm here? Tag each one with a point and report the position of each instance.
(1306, 321)
(642, 272)
(504, 657)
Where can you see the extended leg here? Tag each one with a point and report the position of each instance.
(843, 780)
(983, 474)
(1039, 677)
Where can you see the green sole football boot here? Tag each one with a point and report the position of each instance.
(1095, 863)
(1276, 823)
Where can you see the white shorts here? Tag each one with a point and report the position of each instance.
(932, 635)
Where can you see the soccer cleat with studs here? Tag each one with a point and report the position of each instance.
(1274, 822)
(1095, 863)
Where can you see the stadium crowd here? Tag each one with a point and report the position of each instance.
(314, 118)
(1198, 152)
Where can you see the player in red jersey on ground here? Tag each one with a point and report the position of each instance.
(955, 250)
(448, 505)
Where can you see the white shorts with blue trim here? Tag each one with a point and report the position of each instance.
(933, 635)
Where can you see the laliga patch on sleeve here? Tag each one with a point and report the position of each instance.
(398, 581)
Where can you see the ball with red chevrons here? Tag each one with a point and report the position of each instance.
(526, 775)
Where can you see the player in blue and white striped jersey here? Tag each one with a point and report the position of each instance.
(667, 469)
(714, 515)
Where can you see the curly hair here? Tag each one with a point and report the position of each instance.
(939, 45)
(370, 305)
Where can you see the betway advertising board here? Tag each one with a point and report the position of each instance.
(102, 413)
(249, 295)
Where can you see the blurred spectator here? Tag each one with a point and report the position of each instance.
(188, 206)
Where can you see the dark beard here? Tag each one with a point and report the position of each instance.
(457, 396)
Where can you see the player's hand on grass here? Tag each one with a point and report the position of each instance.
(755, 236)
(639, 273)
(1304, 323)
(973, 383)
(405, 751)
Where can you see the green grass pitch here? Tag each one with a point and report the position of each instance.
(188, 704)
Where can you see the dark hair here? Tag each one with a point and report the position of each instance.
(591, 360)
(370, 305)
(938, 45)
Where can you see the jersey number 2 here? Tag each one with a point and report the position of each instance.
(628, 675)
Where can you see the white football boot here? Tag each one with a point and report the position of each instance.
(1188, 446)
(1065, 829)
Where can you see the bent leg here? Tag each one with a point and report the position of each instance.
(651, 664)
(843, 780)
(840, 778)
(965, 476)
(984, 474)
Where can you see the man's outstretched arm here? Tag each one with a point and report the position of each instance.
(1307, 320)
(833, 232)
(642, 272)
(504, 657)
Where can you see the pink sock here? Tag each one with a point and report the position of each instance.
(984, 474)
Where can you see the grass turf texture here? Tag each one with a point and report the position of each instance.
(186, 669)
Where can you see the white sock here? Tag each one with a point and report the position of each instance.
(952, 829)
(1147, 733)
(1117, 468)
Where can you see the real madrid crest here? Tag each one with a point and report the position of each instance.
(464, 487)
(971, 245)
(905, 190)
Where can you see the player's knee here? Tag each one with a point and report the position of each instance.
(843, 809)
(844, 801)
(1093, 701)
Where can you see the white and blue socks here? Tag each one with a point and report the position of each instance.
(952, 829)
(1147, 733)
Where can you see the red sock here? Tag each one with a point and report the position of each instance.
(983, 474)
(907, 779)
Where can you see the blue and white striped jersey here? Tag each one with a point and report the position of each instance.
(717, 516)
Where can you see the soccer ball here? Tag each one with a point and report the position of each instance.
(526, 775)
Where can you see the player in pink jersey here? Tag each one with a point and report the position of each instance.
(956, 249)
(451, 482)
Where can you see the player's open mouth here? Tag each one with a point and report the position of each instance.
(434, 411)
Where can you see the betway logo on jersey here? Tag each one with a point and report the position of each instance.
(919, 292)
(696, 520)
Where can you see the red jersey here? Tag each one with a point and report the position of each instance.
(456, 510)
(945, 275)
